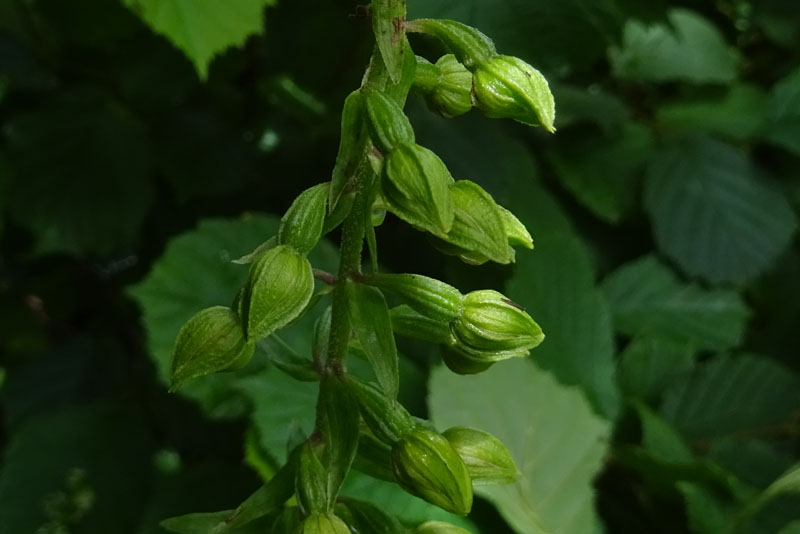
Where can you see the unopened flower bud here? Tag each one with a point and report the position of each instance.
(462, 364)
(301, 226)
(426, 465)
(388, 124)
(415, 187)
(408, 322)
(323, 524)
(447, 86)
(493, 328)
(278, 288)
(515, 231)
(430, 297)
(212, 340)
(439, 527)
(487, 459)
(507, 87)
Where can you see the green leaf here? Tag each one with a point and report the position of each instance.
(556, 440)
(648, 299)
(713, 214)
(738, 113)
(691, 50)
(556, 286)
(339, 422)
(727, 395)
(706, 512)
(369, 316)
(203, 28)
(783, 113)
(387, 20)
(602, 172)
(352, 147)
(87, 140)
(660, 439)
(787, 483)
(650, 363)
(388, 124)
(199, 523)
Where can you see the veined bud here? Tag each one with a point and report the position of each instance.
(278, 288)
(507, 87)
(439, 527)
(408, 322)
(415, 186)
(301, 226)
(470, 46)
(388, 124)
(430, 297)
(451, 94)
(515, 231)
(212, 340)
(492, 328)
(487, 459)
(311, 481)
(366, 518)
(323, 524)
(385, 417)
(426, 465)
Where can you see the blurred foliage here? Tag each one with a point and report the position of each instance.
(146, 144)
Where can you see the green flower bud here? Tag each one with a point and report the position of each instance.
(385, 417)
(410, 323)
(428, 296)
(212, 340)
(364, 518)
(388, 124)
(487, 459)
(439, 527)
(323, 524)
(515, 231)
(447, 86)
(426, 465)
(470, 46)
(415, 187)
(280, 285)
(507, 87)
(301, 226)
(462, 364)
(492, 328)
(311, 481)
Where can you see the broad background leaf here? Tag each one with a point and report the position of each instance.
(557, 442)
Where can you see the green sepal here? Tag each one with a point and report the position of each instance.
(366, 518)
(388, 18)
(493, 328)
(369, 317)
(311, 484)
(451, 95)
(387, 123)
(301, 226)
(430, 297)
(352, 147)
(250, 257)
(507, 87)
(478, 233)
(410, 323)
(487, 459)
(439, 527)
(339, 213)
(426, 465)
(287, 521)
(338, 422)
(284, 357)
(323, 524)
(415, 186)
(470, 46)
(399, 91)
(515, 231)
(462, 364)
(278, 288)
(374, 457)
(212, 340)
(384, 416)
